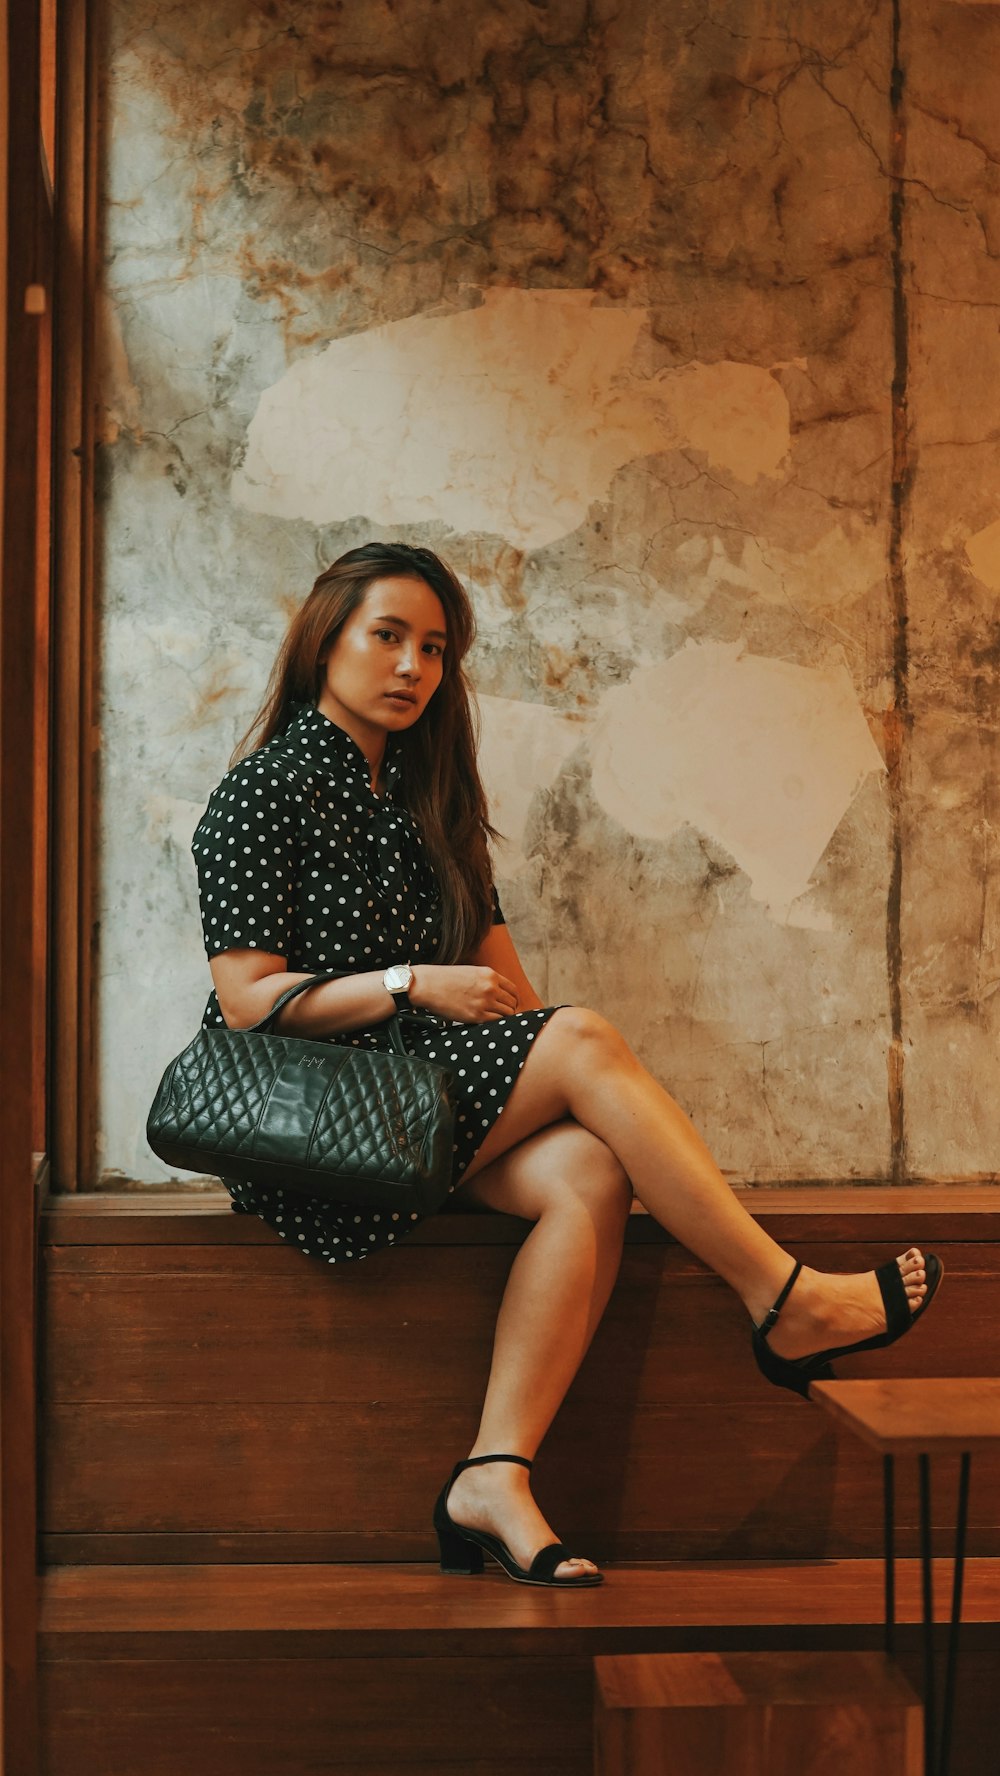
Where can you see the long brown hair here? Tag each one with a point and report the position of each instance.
(440, 782)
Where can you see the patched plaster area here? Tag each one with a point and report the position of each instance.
(983, 552)
(510, 419)
(764, 756)
(760, 755)
(522, 749)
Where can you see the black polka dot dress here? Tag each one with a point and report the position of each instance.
(298, 856)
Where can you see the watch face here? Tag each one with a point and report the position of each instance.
(398, 977)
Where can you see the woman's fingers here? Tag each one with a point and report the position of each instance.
(500, 995)
(507, 992)
(506, 996)
(505, 1006)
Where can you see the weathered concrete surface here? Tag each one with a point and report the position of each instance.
(950, 915)
(602, 303)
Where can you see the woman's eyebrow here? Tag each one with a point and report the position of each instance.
(401, 623)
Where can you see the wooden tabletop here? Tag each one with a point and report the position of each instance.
(909, 1416)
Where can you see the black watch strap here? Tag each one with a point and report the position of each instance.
(400, 995)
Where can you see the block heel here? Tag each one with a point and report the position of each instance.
(458, 1555)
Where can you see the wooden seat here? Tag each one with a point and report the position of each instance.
(762, 1714)
(209, 1394)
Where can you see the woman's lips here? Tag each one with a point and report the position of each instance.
(401, 696)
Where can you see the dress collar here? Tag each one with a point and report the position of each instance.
(320, 739)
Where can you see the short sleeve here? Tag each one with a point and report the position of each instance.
(498, 918)
(245, 847)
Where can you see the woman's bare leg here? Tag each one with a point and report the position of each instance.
(581, 1067)
(567, 1182)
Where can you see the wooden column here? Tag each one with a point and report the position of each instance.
(74, 731)
(25, 372)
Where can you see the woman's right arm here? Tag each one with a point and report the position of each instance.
(249, 981)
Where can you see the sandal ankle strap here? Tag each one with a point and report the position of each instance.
(476, 1461)
(772, 1313)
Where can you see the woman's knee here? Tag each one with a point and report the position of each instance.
(561, 1170)
(590, 1176)
(587, 1036)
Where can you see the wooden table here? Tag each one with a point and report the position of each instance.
(943, 1416)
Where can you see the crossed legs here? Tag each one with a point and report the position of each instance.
(583, 1123)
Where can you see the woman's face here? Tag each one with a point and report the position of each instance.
(387, 660)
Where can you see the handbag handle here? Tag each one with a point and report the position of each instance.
(292, 992)
(316, 980)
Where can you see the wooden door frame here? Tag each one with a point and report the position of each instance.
(48, 240)
(75, 732)
(27, 245)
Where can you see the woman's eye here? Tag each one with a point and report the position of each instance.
(387, 633)
(433, 647)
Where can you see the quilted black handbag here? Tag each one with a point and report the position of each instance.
(351, 1125)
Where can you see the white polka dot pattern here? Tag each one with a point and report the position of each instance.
(297, 856)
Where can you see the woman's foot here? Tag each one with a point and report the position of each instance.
(825, 1310)
(497, 1498)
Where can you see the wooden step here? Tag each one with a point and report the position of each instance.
(789, 1714)
(209, 1395)
(260, 1671)
(413, 1609)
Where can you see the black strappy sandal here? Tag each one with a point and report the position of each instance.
(462, 1549)
(798, 1373)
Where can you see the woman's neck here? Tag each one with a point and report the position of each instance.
(371, 739)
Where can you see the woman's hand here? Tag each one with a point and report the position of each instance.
(470, 994)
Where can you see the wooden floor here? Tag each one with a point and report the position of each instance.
(241, 1451)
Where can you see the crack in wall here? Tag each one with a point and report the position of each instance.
(899, 722)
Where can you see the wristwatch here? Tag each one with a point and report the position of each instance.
(397, 980)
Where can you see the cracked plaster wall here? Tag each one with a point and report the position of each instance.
(607, 305)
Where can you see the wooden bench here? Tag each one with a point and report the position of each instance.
(242, 1447)
(207, 1393)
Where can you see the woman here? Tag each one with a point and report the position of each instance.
(353, 834)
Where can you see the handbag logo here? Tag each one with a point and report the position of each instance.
(311, 1061)
(396, 1126)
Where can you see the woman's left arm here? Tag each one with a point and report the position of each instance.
(497, 951)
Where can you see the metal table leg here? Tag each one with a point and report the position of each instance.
(936, 1753)
(930, 1734)
(889, 1548)
(948, 1703)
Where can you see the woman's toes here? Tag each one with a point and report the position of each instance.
(914, 1275)
(578, 1566)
